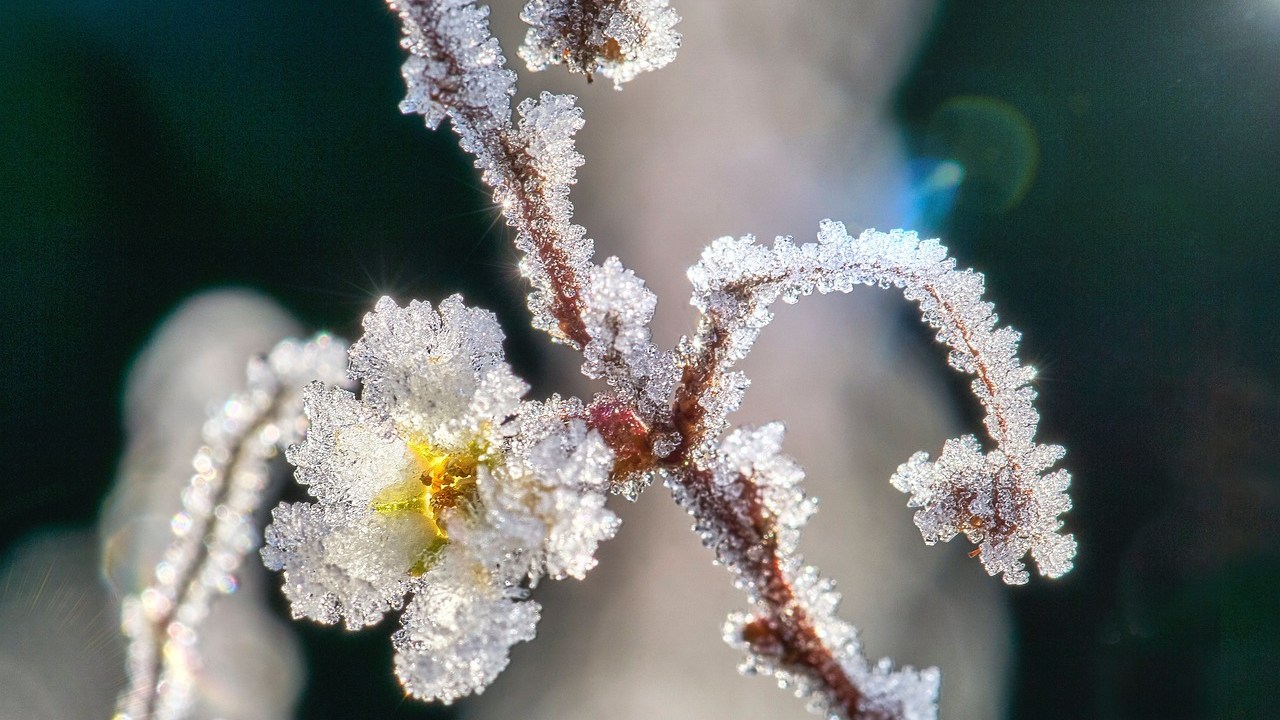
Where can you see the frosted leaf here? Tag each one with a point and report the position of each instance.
(618, 310)
(349, 453)
(557, 480)
(454, 643)
(617, 38)
(1001, 499)
(462, 345)
(440, 482)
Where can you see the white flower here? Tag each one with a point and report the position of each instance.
(439, 482)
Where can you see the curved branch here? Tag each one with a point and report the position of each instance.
(162, 622)
(1001, 499)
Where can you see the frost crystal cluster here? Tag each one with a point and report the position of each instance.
(617, 38)
(440, 492)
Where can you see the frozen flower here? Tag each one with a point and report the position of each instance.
(438, 482)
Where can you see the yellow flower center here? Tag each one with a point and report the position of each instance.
(441, 480)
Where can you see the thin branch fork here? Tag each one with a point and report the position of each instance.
(786, 632)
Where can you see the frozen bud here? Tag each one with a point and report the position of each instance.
(617, 38)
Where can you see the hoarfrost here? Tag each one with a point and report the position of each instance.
(457, 70)
(455, 65)
(562, 483)
(536, 203)
(338, 570)
(617, 38)
(453, 644)
(618, 311)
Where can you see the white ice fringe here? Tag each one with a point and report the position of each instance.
(752, 480)
(456, 69)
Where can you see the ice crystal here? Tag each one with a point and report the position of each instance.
(1001, 500)
(617, 38)
(454, 643)
(440, 482)
(215, 527)
(535, 200)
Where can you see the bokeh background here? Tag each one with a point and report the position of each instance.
(1114, 168)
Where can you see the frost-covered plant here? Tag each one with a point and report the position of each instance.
(438, 484)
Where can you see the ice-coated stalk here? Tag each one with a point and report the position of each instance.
(215, 528)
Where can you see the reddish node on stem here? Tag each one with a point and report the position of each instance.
(623, 431)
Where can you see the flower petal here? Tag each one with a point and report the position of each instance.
(323, 579)
(457, 633)
(422, 367)
(349, 455)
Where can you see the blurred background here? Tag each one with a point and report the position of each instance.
(1114, 168)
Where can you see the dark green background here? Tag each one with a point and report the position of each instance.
(148, 150)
